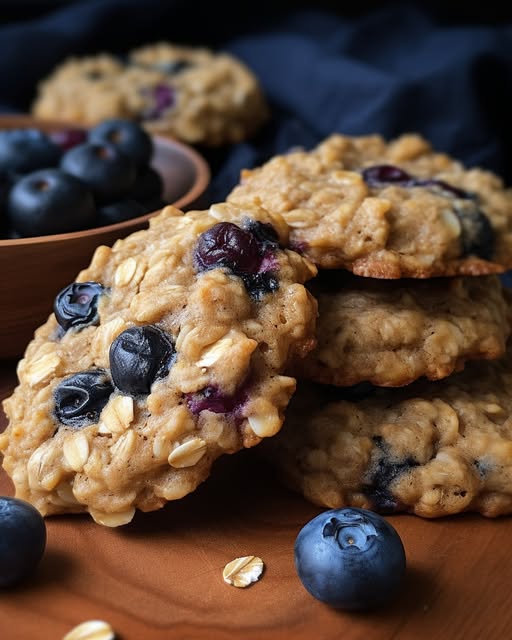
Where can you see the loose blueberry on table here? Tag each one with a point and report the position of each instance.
(22, 540)
(351, 559)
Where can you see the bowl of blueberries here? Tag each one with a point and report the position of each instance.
(65, 191)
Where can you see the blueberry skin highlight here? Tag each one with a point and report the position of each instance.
(50, 201)
(128, 136)
(22, 540)
(351, 559)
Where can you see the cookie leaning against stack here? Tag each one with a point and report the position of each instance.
(433, 233)
(191, 93)
(168, 351)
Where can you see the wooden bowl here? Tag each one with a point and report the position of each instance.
(35, 269)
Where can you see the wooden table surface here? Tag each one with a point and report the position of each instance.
(160, 577)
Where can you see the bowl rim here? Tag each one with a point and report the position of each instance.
(201, 182)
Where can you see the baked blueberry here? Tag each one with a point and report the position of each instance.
(127, 136)
(138, 356)
(478, 237)
(77, 305)
(389, 174)
(50, 201)
(264, 233)
(80, 398)
(350, 558)
(227, 245)
(160, 98)
(126, 209)
(26, 150)
(214, 400)
(385, 174)
(258, 284)
(22, 540)
(107, 171)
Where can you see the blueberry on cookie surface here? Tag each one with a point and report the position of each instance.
(153, 365)
(383, 209)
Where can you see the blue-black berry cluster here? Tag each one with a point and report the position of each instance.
(73, 179)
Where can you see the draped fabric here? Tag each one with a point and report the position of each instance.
(389, 69)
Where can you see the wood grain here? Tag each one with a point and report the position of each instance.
(161, 576)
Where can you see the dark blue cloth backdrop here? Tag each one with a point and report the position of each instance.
(389, 69)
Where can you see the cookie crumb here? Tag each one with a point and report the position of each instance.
(241, 572)
(91, 630)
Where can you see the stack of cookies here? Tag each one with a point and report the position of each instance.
(405, 404)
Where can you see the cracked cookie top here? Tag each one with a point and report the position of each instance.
(386, 209)
(168, 351)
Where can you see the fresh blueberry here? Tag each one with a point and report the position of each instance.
(138, 356)
(68, 138)
(128, 136)
(160, 98)
(26, 150)
(22, 540)
(79, 399)
(226, 245)
(126, 209)
(478, 236)
(109, 173)
(148, 185)
(50, 201)
(350, 559)
(77, 305)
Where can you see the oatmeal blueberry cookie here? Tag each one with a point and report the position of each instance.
(391, 332)
(167, 352)
(386, 210)
(432, 448)
(193, 94)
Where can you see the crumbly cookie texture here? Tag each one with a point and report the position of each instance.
(391, 332)
(193, 94)
(125, 404)
(432, 449)
(386, 209)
